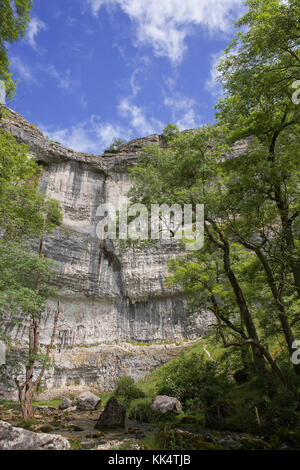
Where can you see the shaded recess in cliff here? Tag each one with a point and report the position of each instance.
(106, 294)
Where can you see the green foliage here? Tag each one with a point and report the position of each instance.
(194, 382)
(170, 438)
(14, 17)
(127, 391)
(27, 423)
(26, 277)
(25, 280)
(248, 274)
(116, 145)
(75, 444)
(170, 131)
(24, 211)
(140, 410)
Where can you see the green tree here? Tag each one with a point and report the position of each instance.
(25, 285)
(252, 201)
(14, 18)
(180, 175)
(25, 277)
(258, 72)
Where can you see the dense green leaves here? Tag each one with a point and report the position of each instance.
(26, 277)
(14, 17)
(248, 273)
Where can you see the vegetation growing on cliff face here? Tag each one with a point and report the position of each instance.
(25, 277)
(25, 213)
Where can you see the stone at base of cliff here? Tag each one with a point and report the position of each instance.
(113, 415)
(65, 404)
(87, 401)
(20, 439)
(166, 404)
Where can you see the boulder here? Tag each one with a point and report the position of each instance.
(165, 404)
(112, 416)
(12, 438)
(65, 403)
(86, 401)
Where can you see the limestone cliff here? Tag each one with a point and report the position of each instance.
(106, 295)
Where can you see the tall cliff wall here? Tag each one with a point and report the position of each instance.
(106, 295)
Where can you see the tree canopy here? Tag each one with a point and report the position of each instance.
(14, 18)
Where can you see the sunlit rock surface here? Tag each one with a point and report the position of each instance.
(107, 294)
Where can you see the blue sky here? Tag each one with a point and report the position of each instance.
(92, 70)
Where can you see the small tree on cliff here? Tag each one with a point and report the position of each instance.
(25, 277)
(25, 286)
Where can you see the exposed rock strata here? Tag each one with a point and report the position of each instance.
(106, 294)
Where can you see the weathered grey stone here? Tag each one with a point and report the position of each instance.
(65, 403)
(113, 415)
(86, 401)
(12, 438)
(166, 404)
(106, 294)
(46, 410)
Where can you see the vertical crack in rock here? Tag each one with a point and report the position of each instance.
(106, 295)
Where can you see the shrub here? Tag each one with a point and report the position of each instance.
(140, 410)
(127, 391)
(168, 438)
(216, 416)
(193, 381)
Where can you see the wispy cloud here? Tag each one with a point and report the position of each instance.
(94, 135)
(90, 136)
(138, 119)
(212, 85)
(22, 69)
(183, 111)
(63, 80)
(35, 26)
(165, 25)
(30, 73)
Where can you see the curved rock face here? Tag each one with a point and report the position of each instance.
(106, 294)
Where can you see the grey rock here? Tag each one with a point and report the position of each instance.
(166, 404)
(113, 415)
(65, 403)
(107, 294)
(46, 410)
(12, 438)
(86, 401)
(70, 410)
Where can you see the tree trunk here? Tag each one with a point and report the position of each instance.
(28, 398)
(285, 325)
(246, 317)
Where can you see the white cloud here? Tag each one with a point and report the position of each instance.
(137, 118)
(63, 80)
(25, 72)
(212, 85)
(164, 25)
(34, 27)
(183, 111)
(94, 136)
(90, 136)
